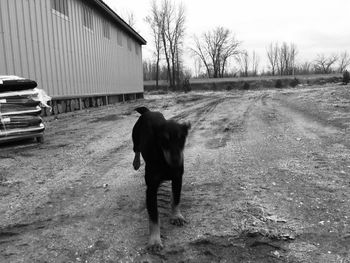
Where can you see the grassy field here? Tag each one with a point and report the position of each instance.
(255, 82)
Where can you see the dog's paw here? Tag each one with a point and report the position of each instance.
(154, 246)
(178, 220)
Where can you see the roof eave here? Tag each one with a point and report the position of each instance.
(119, 20)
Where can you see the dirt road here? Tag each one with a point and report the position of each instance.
(267, 179)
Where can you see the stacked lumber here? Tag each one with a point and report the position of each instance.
(20, 109)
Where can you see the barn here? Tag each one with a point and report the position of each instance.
(79, 51)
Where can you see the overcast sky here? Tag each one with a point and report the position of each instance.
(315, 26)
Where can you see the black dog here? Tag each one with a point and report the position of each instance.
(161, 143)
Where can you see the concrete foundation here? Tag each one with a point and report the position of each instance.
(63, 105)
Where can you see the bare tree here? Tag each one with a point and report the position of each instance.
(282, 58)
(344, 61)
(272, 55)
(156, 24)
(293, 53)
(131, 19)
(255, 63)
(324, 64)
(229, 49)
(173, 31)
(197, 66)
(304, 68)
(215, 48)
(243, 62)
(201, 53)
(248, 63)
(128, 16)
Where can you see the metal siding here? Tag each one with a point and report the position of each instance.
(77, 25)
(90, 37)
(120, 61)
(109, 56)
(25, 39)
(52, 35)
(3, 53)
(55, 44)
(42, 12)
(8, 49)
(109, 62)
(124, 63)
(103, 57)
(71, 58)
(63, 30)
(76, 16)
(34, 40)
(87, 61)
(60, 38)
(96, 40)
(14, 38)
(83, 43)
(117, 83)
(77, 60)
(64, 57)
(106, 56)
(103, 66)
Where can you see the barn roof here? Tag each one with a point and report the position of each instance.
(120, 21)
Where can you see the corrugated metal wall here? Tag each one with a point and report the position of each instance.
(63, 56)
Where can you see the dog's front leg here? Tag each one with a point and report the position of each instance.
(176, 217)
(155, 243)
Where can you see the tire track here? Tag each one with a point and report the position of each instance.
(196, 115)
(223, 129)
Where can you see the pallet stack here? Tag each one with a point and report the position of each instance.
(20, 109)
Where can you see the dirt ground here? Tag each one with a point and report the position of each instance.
(267, 179)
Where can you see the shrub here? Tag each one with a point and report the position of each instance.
(278, 84)
(186, 85)
(246, 86)
(294, 82)
(346, 77)
(229, 87)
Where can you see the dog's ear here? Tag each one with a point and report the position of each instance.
(186, 127)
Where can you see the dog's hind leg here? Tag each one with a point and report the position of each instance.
(155, 243)
(176, 217)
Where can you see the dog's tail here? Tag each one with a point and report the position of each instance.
(142, 110)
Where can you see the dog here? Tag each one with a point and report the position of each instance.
(161, 143)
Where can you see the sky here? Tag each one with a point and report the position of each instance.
(315, 26)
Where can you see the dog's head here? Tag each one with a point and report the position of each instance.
(172, 138)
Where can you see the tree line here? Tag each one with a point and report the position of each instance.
(282, 61)
(217, 53)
